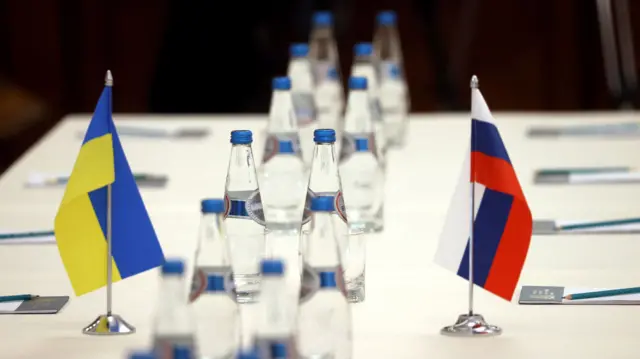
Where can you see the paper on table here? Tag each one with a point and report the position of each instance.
(10, 306)
(604, 177)
(45, 239)
(618, 228)
(615, 299)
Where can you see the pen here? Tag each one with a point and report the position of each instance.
(586, 225)
(603, 293)
(139, 177)
(585, 170)
(26, 235)
(15, 298)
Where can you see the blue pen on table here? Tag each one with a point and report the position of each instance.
(15, 298)
(19, 235)
(603, 293)
(586, 225)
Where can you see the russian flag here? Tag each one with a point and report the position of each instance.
(503, 222)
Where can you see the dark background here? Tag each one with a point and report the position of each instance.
(219, 56)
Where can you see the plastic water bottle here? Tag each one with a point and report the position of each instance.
(360, 167)
(174, 323)
(386, 41)
(324, 319)
(218, 320)
(283, 172)
(323, 48)
(142, 355)
(277, 312)
(329, 100)
(212, 254)
(302, 94)
(244, 218)
(365, 66)
(395, 106)
(183, 352)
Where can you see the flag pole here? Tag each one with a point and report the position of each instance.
(109, 323)
(471, 324)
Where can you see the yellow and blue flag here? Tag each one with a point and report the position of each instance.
(81, 223)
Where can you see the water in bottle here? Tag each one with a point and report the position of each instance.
(218, 319)
(386, 41)
(323, 50)
(174, 323)
(329, 100)
(360, 168)
(212, 254)
(302, 94)
(283, 172)
(365, 66)
(244, 218)
(277, 312)
(395, 106)
(324, 319)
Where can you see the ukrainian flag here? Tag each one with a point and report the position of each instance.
(81, 222)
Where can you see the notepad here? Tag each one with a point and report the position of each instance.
(530, 294)
(40, 305)
(548, 227)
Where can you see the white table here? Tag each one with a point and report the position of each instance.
(408, 297)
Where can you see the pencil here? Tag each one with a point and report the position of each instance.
(603, 293)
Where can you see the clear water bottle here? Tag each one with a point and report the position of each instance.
(365, 66)
(244, 218)
(302, 93)
(394, 99)
(142, 355)
(386, 40)
(283, 172)
(174, 323)
(183, 352)
(360, 167)
(212, 254)
(323, 48)
(277, 312)
(329, 100)
(324, 319)
(219, 320)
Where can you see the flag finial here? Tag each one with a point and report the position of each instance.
(474, 82)
(108, 79)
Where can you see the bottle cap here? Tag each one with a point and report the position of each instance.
(332, 73)
(363, 49)
(279, 351)
(272, 267)
(323, 18)
(324, 136)
(142, 355)
(215, 283)
(322, 204)
(328, 280)
(181, 352)
(241, 137)
(394, 71)
(285, 147)
(247, 354)
(299, 50)
(212, 205)
(281, 83)
(357, 83)
(387, 18)
(173, 266)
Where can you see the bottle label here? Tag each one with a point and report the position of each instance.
(163, 344)
(311, 281)
(338, 204)
(305, 108)
(352, 143)
(251, 208)
(264, 344)
(275, 142)
(199, 280)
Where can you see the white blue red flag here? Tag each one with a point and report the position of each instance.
(503, 222)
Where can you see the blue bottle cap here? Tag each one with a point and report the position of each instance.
(332, 73)
(142, 355)
(299, 50)
(363, 49)
(324, 136)
(173, 266)
(247, 354)
(272, 267)
(322, 204)
(394, 71)
(278, 351)
(357, 83)
(323, 18)
(387, 18)
(215, 283)
(285, 147)
(328, 280)
(241, 137)
(212, 205)
(181, 352)
(281, 83)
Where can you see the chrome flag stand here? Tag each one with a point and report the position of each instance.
(471, 324)
(109, 323)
